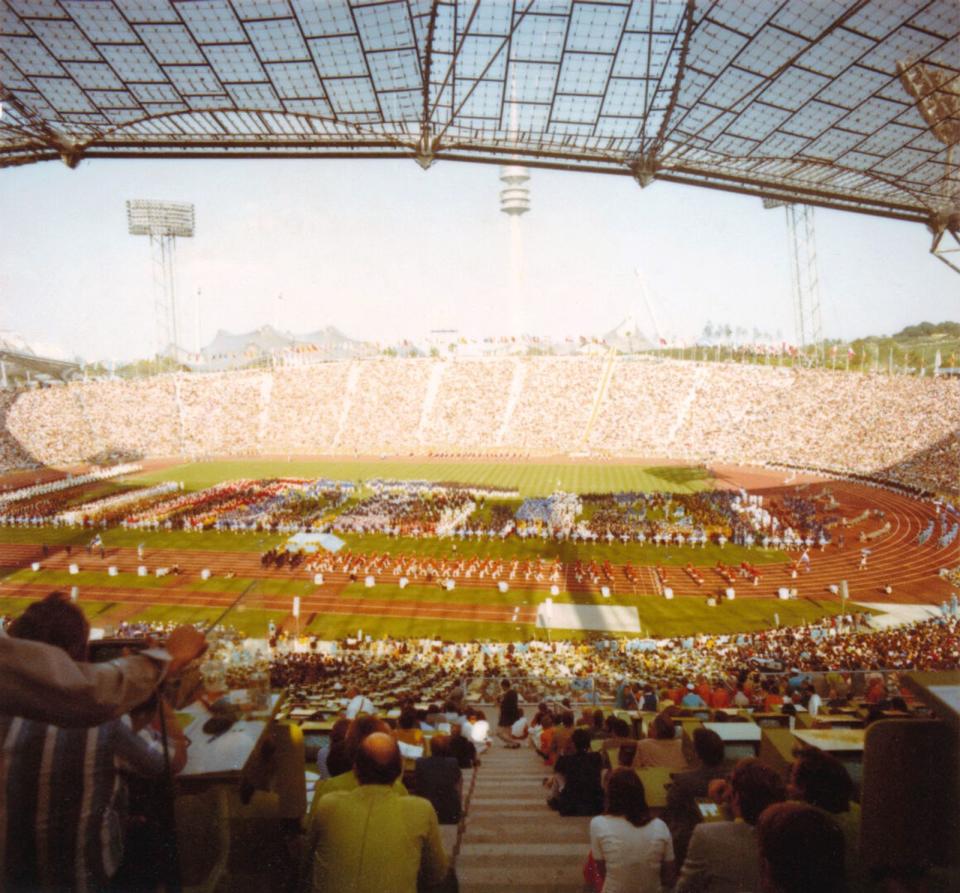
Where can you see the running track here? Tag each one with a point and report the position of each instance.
(895, 559)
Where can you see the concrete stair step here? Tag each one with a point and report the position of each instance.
(549, 877)
(511, 841)
(522, 831)
(526, 851)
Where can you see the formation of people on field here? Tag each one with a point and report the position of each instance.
(901, 429)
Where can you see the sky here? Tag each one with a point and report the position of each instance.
(383, 250)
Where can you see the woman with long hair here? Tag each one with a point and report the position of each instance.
(633, 850)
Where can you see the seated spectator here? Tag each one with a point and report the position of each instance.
(662, 748)
(360, 729)
(462, 749)
(577, 779)
(692, 700)
(370, 839)
(596, 727)
(408, 728)
(649, 703)
(722, 856)
(479, 729)
(438, 778)
(682, 814)
(633, 850)
(73, 800)
(544, 740)
(801, 849)
(333, 759)
(618, 736)
(820, 779)
(562, 734)
(357, 704)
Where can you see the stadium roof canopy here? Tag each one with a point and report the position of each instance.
(850, 104)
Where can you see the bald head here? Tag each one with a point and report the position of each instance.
(378, 760)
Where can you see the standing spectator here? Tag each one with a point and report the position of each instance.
(42, 682)
(633, 850)
(62, 815)
(510, 712)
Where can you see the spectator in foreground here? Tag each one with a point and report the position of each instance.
(371, 840)
(361, 728)
(633, 850)
(63, 801)
(801, 850)
(682, 814)
(722, 857)
(42, 682)
(820, 779)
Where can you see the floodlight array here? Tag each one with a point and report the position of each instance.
(845, 104)
(151, 218)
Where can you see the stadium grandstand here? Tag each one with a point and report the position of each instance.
(903, 430)
(601, 613)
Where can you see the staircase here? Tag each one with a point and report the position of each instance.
(513, 397)
(433, 387)
(353, 374)
(511, 839)
(598, 399)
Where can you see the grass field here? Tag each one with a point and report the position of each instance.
(679, 617)
(531, 479)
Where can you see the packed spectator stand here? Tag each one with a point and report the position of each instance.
(896, 428)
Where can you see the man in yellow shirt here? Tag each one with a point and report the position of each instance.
(371, 839)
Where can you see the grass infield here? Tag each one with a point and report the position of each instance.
(532, 479)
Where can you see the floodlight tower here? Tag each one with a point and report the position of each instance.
(808, 324)
(515, 202)
(163, 222)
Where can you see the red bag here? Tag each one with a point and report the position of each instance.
(591, 874)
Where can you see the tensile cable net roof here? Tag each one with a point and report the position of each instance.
(838, 103)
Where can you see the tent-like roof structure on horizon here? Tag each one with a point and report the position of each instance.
(849, 104)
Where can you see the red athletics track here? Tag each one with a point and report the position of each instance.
(895, 559)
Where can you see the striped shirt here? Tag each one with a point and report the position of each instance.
(62, 801)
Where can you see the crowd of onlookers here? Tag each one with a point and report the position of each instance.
(899, 428)
(841, 654)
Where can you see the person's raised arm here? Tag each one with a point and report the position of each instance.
(42, 682)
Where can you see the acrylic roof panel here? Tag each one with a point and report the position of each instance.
(845, 103)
